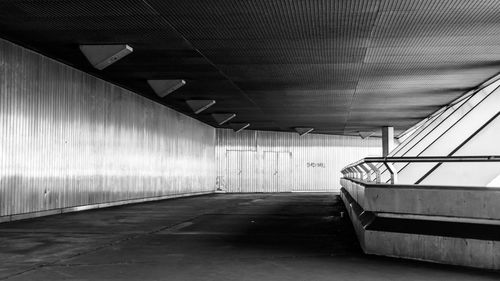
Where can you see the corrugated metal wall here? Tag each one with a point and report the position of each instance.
(258, 161)
(70, 139)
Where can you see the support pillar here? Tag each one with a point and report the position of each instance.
(387, 140)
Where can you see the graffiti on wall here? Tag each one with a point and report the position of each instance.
(315, 165)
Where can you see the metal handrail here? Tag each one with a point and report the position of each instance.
(363, 167)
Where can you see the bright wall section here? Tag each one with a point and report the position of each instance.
(261, 161)
(70, 141)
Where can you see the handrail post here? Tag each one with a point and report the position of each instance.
(367, 171)
(360, 172)
(349, 172)
(376, 170)
(353, 172)
(393, 171)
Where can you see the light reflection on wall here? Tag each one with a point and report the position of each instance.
(69, 139)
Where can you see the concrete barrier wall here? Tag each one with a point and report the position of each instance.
(449, 250)
(462, 202)
(453, 225)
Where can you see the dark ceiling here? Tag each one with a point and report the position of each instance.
(338, 66)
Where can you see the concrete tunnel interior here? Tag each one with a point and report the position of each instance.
(249, 140)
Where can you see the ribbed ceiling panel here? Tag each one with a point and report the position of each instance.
(337, 66)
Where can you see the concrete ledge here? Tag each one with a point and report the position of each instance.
(23, 216)
(447, 201)
(447, 250)
(472, 242)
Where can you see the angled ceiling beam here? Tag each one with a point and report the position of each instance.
(303, 130)
(222, 118)
(238, 127)
(102, 56)
(164, 87)
(199, 105)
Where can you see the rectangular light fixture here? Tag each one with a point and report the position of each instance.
(164, 87)
(102, 56)
(238, 127)
(365, 135)
(222, 118)
(199, 105)
(303, 130)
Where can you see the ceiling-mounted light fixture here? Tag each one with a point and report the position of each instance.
(164, 87)
(102, 56)
(199, 105)
(303, 130)
(238, 127)
(222, 118)
(365, 135)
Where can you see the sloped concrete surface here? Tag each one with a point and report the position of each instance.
(215, 237)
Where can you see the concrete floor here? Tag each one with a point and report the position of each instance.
(216, 237)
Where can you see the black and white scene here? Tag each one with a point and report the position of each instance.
(249, 140)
